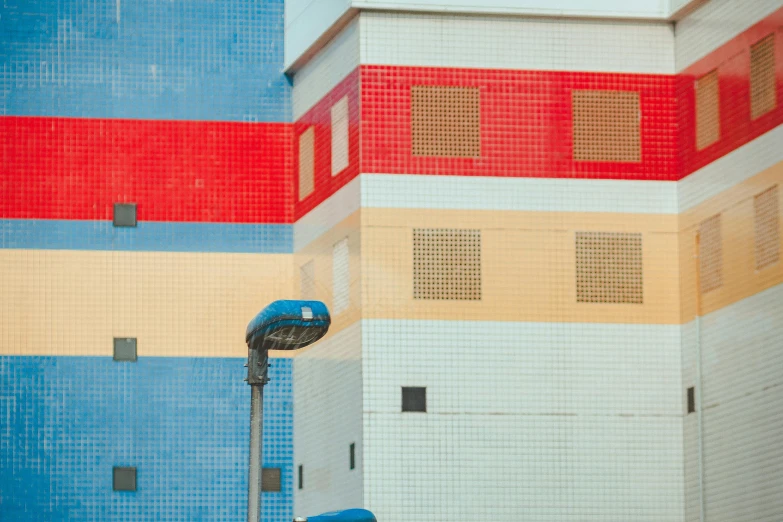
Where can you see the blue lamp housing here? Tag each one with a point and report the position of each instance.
(288, 325)
(348, 515)
(283, 325)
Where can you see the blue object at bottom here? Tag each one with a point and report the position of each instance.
(182, 422)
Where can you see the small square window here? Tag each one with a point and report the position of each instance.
(270, 479)
(125, 349)
(353, 455)
(301, 476)
(691, 400)
(414, 399)
(125, 214)
(124, 479)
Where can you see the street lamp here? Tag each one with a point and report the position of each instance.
(283, 325)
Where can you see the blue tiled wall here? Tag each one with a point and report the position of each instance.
(50, 234)
(184, 423)
(143, 59)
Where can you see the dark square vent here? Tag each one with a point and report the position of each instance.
(414, 399)
(125, 214)
(125, 349)
(270, 479)
(124, 479)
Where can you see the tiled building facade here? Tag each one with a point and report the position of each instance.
(550, 246)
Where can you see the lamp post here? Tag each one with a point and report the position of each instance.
(282, 325)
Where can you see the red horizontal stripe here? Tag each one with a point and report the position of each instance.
(60, 168)
(526, 123)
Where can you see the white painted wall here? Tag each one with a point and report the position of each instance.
(327, 419)
(306, 21)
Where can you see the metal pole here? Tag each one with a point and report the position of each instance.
(256, 440)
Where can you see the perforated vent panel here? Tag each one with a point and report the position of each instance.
(341, 277)
(609, 267)
(446, 263)
(445, 121)
(340, 136)
(306, 163)
(763, 96)
(767, 225)
(707, 110)
(710, 254)
(307, 281)
(606, 126)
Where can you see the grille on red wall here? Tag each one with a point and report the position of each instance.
(606, 126)
(763, 95)
(445, 121)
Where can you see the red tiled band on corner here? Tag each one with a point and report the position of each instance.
(63, 168)
(729, 120)
(527, 123)
(313, 132)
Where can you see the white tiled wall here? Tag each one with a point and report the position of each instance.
(442, 40)
(519, 194)
(525, 421)
(327, 419)
(742, 372)
(714, 24)
(326, 69)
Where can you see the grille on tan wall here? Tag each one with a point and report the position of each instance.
(341, 277)
(767, 225)
(707, 110)
(306, 163)
(445, 121)
(609, 267)
(710, 254)
(606, 126)
(763, 95)
(446, 263)
(307, 281)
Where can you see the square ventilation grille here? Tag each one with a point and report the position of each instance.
(446, 121)
(710, 254)
(763, 92)
(446, 263)
(306, 163)
(609, 268)
(766, 208)
(606, 126)
(707, 110)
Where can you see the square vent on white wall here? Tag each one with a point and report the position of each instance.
(340, 136)
(341, 277)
